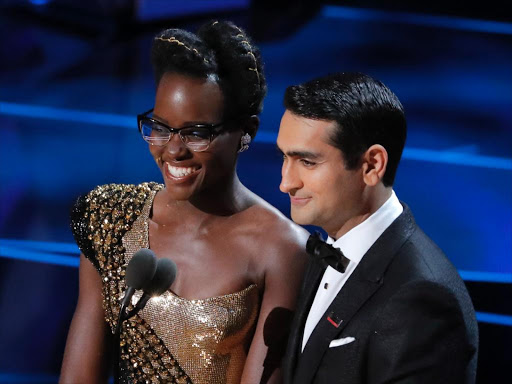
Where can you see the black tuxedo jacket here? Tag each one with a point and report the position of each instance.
(405, 306)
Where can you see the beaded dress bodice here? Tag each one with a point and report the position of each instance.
(172, 339)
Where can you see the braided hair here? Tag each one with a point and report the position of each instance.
(219, 50)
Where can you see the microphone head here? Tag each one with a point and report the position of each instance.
(141, 268)
(165, 274)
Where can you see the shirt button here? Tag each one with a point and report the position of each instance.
(326, 285)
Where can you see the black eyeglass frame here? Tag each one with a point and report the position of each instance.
(172, 131)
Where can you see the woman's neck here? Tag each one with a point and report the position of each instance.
(225, 201)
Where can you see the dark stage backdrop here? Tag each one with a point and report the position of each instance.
(72, 82)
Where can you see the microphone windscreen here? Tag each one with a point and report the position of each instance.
(141, 268)
(165, 274)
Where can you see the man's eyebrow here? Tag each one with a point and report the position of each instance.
(306, 154)
(298, 153)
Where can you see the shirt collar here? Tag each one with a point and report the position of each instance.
(356, 242)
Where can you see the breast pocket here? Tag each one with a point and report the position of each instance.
(342, 341)
(341, 362)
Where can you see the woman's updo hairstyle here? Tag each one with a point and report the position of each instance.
(222, 50)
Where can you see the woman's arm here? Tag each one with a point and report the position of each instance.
(284, 268)
(87, 352)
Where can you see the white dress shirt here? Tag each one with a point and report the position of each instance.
(354, 244)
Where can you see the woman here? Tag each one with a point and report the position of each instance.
(239, 260)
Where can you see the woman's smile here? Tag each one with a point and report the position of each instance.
(180, 174)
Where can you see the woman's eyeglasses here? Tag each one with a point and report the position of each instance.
(196, 137)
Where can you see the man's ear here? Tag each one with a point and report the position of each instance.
(251, 125)
(375, 162)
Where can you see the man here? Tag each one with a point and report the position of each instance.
(396, 311)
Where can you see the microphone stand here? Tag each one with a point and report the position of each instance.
(161, 280)
(139, 306)
(117, 335)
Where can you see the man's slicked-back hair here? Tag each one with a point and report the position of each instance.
(219, 50)
(366, 112)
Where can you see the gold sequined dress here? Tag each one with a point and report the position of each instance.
(172, 340)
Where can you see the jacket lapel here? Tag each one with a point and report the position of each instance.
(352, 296)
(309, 287)
(362, 284)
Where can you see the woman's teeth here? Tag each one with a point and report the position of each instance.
(181, 171)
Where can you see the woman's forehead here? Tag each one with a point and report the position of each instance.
(189, 98)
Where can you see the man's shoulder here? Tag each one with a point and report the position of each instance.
(416, 254)
(420, 262)
(424, 258)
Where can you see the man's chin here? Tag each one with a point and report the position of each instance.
(300, 218)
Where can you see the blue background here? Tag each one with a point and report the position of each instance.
(69, 95)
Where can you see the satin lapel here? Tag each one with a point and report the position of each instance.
(353, 295)
(361, 285)
(309, 287)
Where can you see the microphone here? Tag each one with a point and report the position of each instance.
(166, 271)
(139, 272)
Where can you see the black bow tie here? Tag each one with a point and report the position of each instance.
(326, 254)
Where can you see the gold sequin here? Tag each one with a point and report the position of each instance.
(173, 340)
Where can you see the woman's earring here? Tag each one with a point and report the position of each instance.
(244, 142)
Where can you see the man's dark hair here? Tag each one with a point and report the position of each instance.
(220, 50)
(365, 110)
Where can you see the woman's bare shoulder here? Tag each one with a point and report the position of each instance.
(278, 230)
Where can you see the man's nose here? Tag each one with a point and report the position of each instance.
(289, 178)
